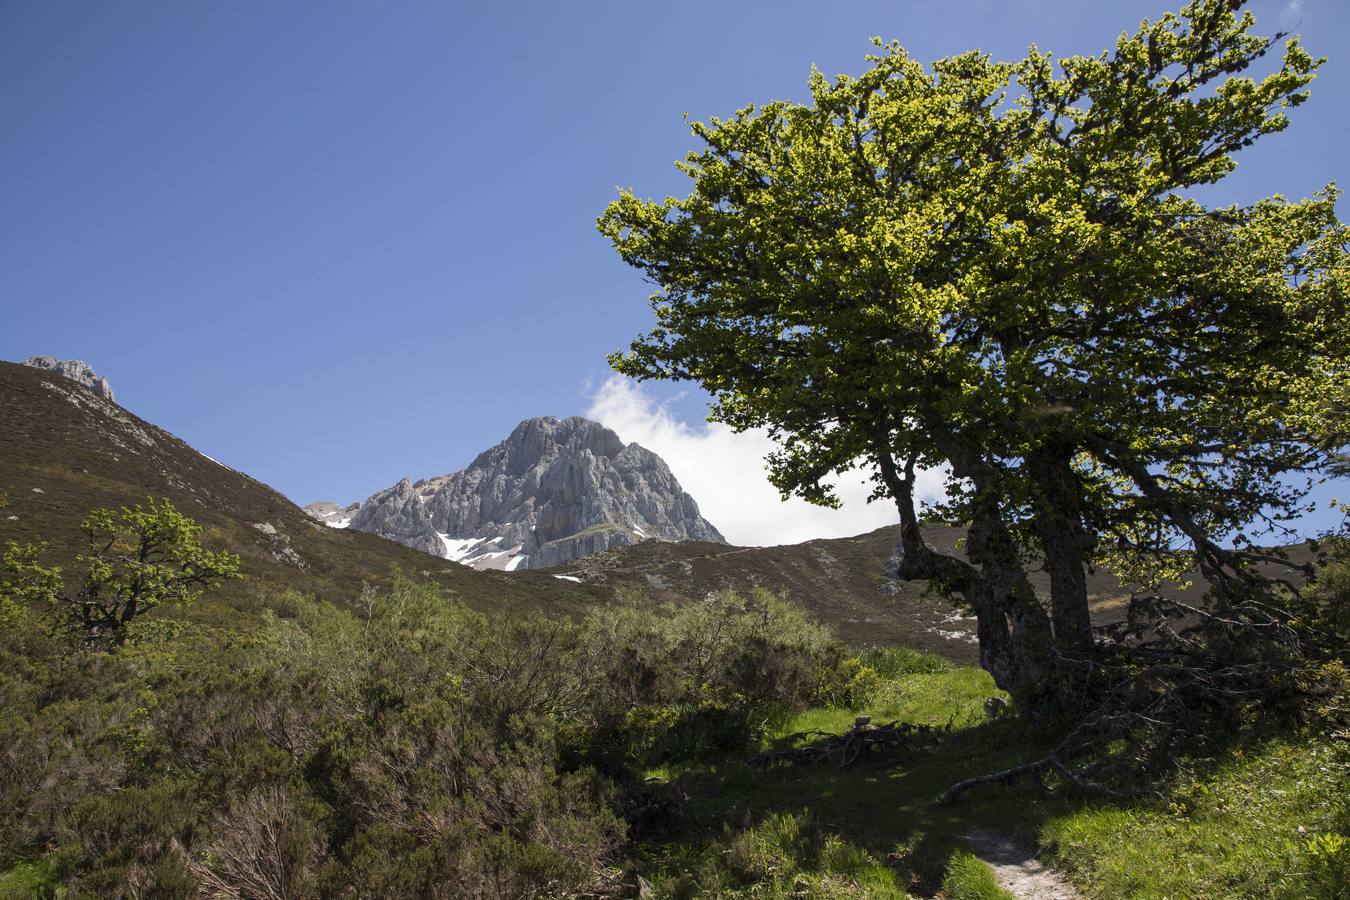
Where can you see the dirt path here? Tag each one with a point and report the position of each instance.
(1018, 870)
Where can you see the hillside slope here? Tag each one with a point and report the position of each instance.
(840, 581)
(64, 450)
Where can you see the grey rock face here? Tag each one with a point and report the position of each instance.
(399, 514)
(592, 540)
(75, 370)
(551, 492)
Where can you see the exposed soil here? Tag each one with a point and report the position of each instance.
(1018, 870)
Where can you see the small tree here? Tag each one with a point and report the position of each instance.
(138, 558)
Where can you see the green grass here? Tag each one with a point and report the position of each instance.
(27, 880)
(601, 528)
(875, 829)
(892, 662)
(968, 878)
(1269, 822)
(882, 812)
(954, 696)
(785, 855)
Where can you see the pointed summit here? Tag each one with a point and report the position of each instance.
(554, 490)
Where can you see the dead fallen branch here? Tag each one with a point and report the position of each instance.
(1031, 769)
(863, 741)
(1171, 681)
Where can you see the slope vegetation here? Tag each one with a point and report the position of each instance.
(840, 581)
(64, 450)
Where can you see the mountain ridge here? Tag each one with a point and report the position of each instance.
(76, 370)
(552, 491)
(65, 449)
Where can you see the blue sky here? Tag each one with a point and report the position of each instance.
(333, 243)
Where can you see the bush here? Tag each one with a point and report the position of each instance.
(1323, 609)
(711, 677)
(410, 748)
(126, 844)
(851, 685)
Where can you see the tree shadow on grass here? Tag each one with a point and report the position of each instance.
(887, 807)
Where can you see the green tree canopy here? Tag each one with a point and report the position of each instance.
(1001, 268)
(137, 558)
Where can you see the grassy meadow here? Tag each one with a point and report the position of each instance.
(413, 747)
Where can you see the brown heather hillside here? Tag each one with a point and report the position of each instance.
(65, 450)
(838, 581)
(841, 582)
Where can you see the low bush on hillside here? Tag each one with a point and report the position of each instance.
(408, 748)
(412, 747)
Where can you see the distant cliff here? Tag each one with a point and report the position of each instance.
(553, 491)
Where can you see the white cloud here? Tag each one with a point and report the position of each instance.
(724, 471)
(1292, 13)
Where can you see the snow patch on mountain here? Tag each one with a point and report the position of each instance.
(330, 513)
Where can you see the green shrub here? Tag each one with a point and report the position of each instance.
(408, 748)
(1328, 858)
(692, 731)
(1322, 610)
(708, 678)
(850, 685)
(126, 843)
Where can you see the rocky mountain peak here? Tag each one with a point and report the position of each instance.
(76, 370)
(554, 490)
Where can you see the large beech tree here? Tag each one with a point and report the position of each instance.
(999, 267)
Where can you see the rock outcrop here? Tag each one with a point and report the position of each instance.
(76, 370)
(551, 492)
(399, 513)
(329, 513)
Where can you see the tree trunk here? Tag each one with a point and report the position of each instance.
(1011, 608)
(1065, 541)
(1014, 632)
